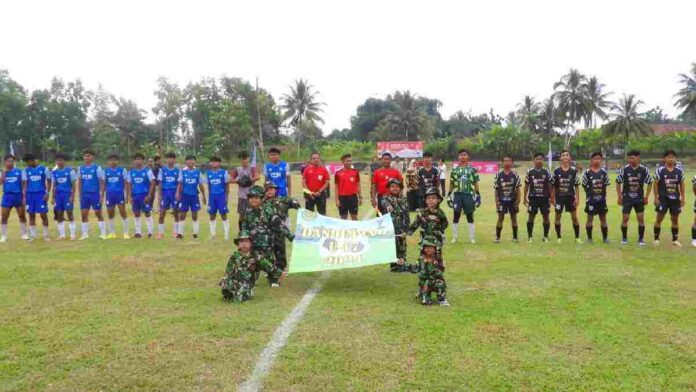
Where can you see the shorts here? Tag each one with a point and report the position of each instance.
(36, 203)
(539, 204)
(189, 202)
(168, 199)
(217, 204)
(114, 198)
(11, 200)
(508, 207)
(62, 202)
(139, 205)
(242, 206)
(673, 206)
(632, 204)
(565, 202)
(465, 202)
(596, 207)
(90, 200)
(349, 205)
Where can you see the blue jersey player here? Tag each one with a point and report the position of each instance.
(63, 196)
(36, 185)
(11, 181)
(218, 181)
(278, 172)
(116, 178)
(168, 180)
(142, 189)
(190, 183)
(90, 183)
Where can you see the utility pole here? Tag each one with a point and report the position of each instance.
(258, 119)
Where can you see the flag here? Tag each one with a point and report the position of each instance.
(253, 157)
(550, 157)
(12, 151)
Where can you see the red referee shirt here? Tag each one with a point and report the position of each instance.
(382, 176)
(348, 182)
(315, 177)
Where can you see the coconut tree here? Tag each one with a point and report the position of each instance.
(686, 97)
(550, 117)
(596, 102)
(570, 98)
(528, 117)
(626, 119)
(408, 118)
(301, 108)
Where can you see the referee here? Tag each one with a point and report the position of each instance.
(348, 196)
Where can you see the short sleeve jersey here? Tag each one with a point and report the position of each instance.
(347, 181)
(428, 178)
(217, 181)
(538, 181)
(633, 181)
(506, 185)
(382, 176)
(36, 178)
(12, 182)
(89, 178)
(278, 173)
(315, 177)
(168, 177)
(190, 179)
(116, 178)
(595, 184)
(668, 182)
(63, 179)
(565, 181)
(140, 180)
(463, 179)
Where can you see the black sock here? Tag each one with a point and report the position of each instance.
(657, 232)
(514, 232)
(693, 233)
(641, 232)
(547, 226)
(557, 226)
(624, 233)
(675, 233)
(498, 229)
(605, 232)
(576, 229)
(588, 229)
(530, 229)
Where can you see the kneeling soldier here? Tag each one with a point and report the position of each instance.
(431, 276)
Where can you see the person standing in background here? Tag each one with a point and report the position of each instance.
(428, 177)
(278, 172)
(347, 182)
(443, 176)
(315, 181)
(412, 187)
(244, 176)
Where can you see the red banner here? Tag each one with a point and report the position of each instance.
(483, 167)
(401, 149)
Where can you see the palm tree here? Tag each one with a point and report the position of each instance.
(301, 108)
(527, 115)
(686, 97)
(627, 120)
(550, 117)
(596, 102)
(570, 96)
(409, 117)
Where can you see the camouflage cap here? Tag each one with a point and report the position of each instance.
(243, 235)
(255, 191)
(433, 191)
(269, 184)
(429, 241)
(395, 181)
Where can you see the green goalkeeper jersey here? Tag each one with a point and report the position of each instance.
(463, 178)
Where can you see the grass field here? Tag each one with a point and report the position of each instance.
(147, 315)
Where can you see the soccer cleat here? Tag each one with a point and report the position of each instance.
(212, 237)
(104, 237)
(31, 239)
(274, 284)
(677, 243)
(473, 241)
(496, 241)
(25, 236)
(126, 236)
(73, 238)
(530, 240)
(60, 237)
(454, 240)
(624, 242)
(138, 235)
(174, 235)
(84, 237)
(545, 239)
(656, 243)
(195, 236)
(641, 243)
(149, 236)
(578, 241)
(111, 236)
(515, 240)
(559, 241)
(693, 242)
(160, 236)
(3, 239)
(179, 237)
(47, 239)
(607, 241)
(590, 241)
(443, 302)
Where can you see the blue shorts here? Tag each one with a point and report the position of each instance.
(36, 203)
(217, 204)
(90, 201)
(139, 204)
(168, 199)
(62, 202)
(114, 198)
(189, 202)
(11, 200)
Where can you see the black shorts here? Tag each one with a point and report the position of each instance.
(507, 207)
(565, 202)
(349, 205)
(596, 207)
(539, 204)
(673, 206)
(628, 204)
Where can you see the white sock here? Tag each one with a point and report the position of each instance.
(180, 227)
(176, 227)
(196, 227)
(85, 229)
(61, 229)
(125, 225)
(472, 231)
(23, 228)
(4, 230)
(455, 230)
(32, 231)
(150, 224)
(45, 231)
(213, 227)
(138, 225)
(160, 228)
(71, 226)
(226, 228)
(112, 226)
(102, 228)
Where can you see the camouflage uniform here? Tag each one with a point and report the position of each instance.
(432, 224)
(397, 206)
(431, 277)
(242, 272)
(277, 208)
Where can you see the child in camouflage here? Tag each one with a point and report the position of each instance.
(431, 276)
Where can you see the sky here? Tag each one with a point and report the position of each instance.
(471, 55)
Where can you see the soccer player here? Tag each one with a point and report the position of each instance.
(315, 182)
(190, 183)
(565, 184)
(116, 178)
(218, 192)
(142, 183)
(629, 188)
(507, 197)
(168, 180)
(348, 194)
(537, 192)
(244, 176)
(595, 181)
(380, 179)
(91, 184)
(428, 177)
(36, 185)
(278, 172)
(63, 196)
(669, 194)
(11, 180)
(464, 181)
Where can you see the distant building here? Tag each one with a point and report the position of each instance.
(665, 129)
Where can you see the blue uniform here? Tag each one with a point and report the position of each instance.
(115, 186)
(12, 189)
(168, 180)
(63, 181)
(217, 198)
(278, 175)
(140, 180)
(190, 179)
(89, 186)
(36, 188)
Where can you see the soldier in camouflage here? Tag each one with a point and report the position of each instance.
(432, 221)
(277, 207)
(397, 206)
(431, 276)
(241, 272)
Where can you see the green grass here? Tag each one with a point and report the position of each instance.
(146, 315)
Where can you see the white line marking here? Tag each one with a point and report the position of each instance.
(279, 340)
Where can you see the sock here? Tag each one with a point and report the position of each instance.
(514, 232)
(45, 231)
(588, 229)
(23, 228)
(576, 229)
(61, 229)
(498, 230)
(557, 226)
(4, 230)
(605, 233)
(624, 233)
(150, 224)
(226, 228)
(32, 231)
(675, 233)
(138, 225)
(102, 228)
(160, 228)
(196, 227)
(641, 232)
(547, 227)
(693, 233)
(455, 230)
(213, 227)
(530, 229)
(472, 231)
(85, 229)
(656, 231)
(71, 226)
(112, 226)
(125, 225)
(180, 228)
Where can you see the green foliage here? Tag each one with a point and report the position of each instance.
(686, 96)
